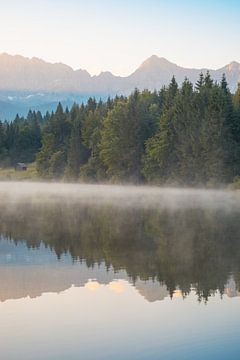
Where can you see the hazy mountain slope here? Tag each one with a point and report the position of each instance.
(9, 111)
(39, 80)
(156, 72)
(19, 102)
(19, 73)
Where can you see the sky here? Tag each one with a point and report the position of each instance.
(118, 35)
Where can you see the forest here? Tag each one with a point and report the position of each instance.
(184, 135)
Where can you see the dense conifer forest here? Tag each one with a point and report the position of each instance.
(188, 135)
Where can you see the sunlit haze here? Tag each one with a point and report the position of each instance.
(119, 179)
(118, 35)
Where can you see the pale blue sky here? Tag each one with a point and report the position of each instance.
(117, 35)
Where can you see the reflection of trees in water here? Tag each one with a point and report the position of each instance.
(183, 249)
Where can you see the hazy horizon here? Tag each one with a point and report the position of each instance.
(119, 179)
(124, 75)
(117, 37)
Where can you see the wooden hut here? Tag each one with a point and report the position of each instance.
(21, 167)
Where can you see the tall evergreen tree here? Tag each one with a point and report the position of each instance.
(77, 152)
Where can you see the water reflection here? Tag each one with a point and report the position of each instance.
(48, 247)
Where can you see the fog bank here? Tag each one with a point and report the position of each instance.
(117, 195)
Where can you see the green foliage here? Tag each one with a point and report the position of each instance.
(125, 130)
(52, 158)
(76, 151)
(20, 140)
(187, 135)
(198, 139)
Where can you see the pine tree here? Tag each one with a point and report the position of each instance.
(200, 82)
(208, 82)
(224, 85)
(77, 153)
(52, 158)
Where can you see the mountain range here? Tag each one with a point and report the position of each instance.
(33, 83)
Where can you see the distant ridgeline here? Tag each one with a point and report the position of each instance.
(188, 135)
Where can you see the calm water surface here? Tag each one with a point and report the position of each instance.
(118, 273)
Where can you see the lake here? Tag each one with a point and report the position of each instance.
(118, 272)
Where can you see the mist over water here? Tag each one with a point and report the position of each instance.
(119, 196)
(183, 238)
(81, 264)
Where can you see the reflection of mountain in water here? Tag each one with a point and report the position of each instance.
(151, 291)
(26, 272)
(160, 251)
(231, 288)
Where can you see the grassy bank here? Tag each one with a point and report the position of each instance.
(8, 174)
(235, 185)
(11, 174)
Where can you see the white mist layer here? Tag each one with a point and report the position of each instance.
(116, 195)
